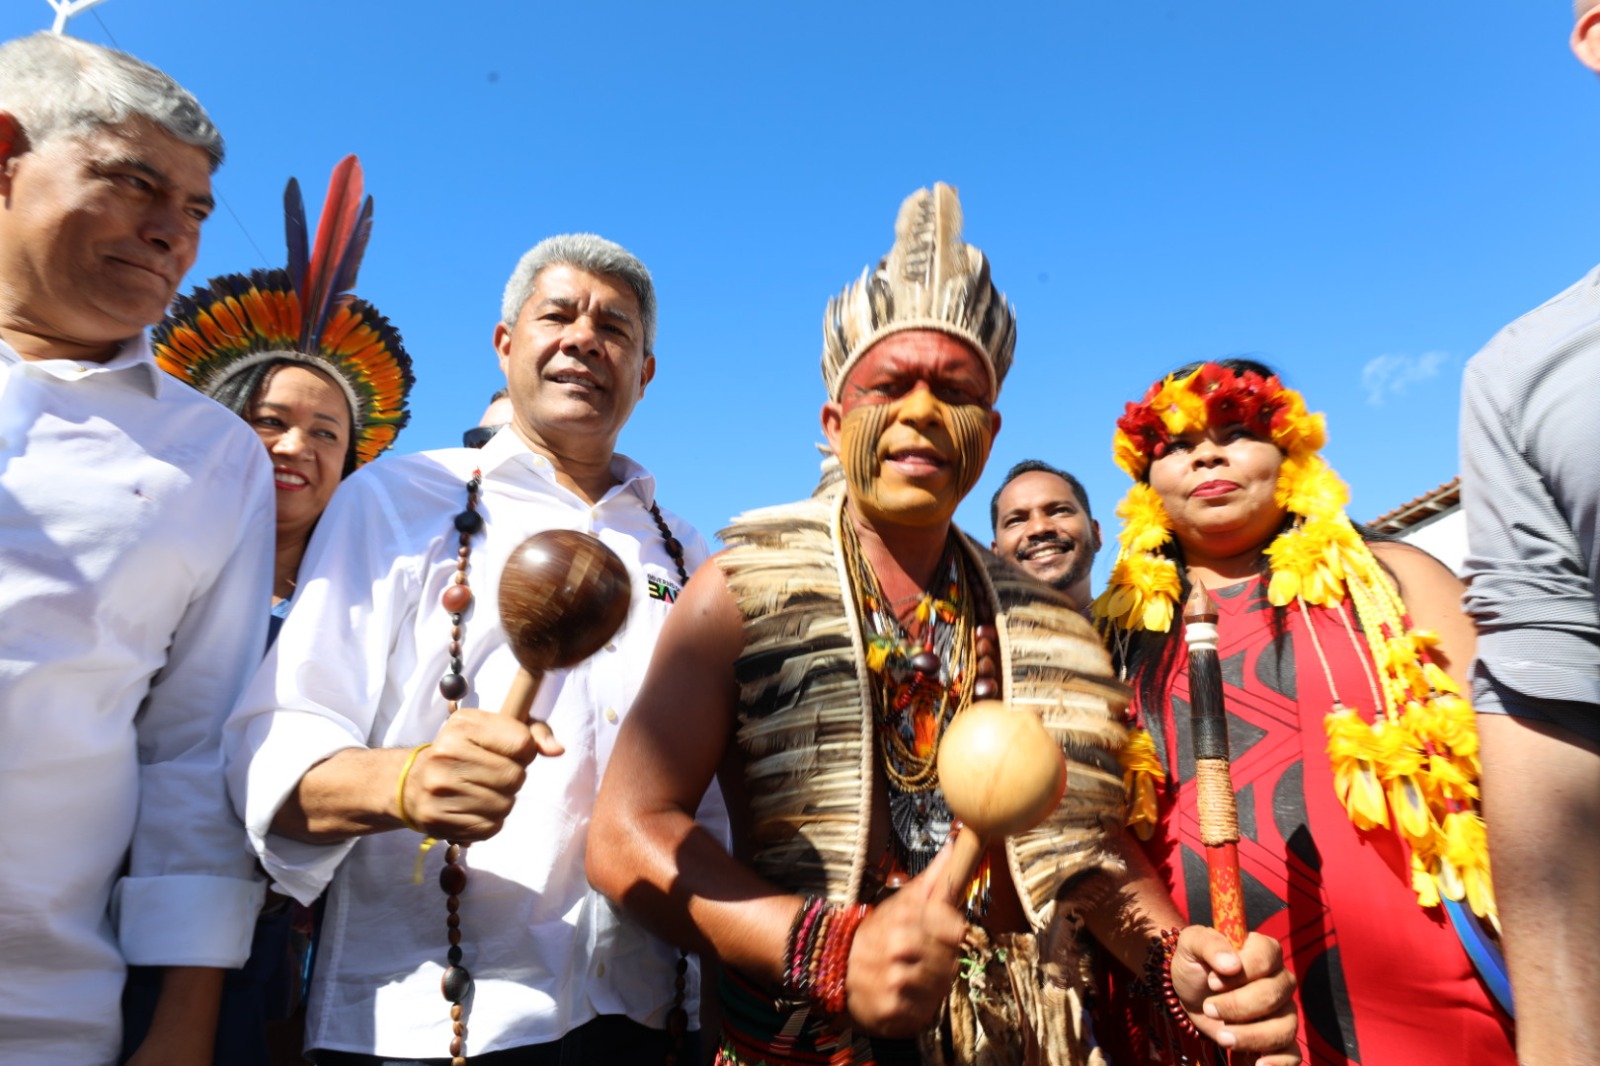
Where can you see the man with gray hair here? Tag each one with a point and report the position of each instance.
(135, 544)
(1530, 481)
(361, 738)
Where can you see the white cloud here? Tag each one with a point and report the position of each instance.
(1392, 375)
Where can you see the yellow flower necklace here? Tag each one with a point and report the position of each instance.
(1414, 766)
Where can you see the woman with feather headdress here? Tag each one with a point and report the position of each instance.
(320, 374)
(323, 378)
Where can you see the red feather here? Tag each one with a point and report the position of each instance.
(341, 239)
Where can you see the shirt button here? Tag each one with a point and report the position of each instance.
(611, 646)
(611, 714)
(600, 970)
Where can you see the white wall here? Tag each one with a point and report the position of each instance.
(1443, 536)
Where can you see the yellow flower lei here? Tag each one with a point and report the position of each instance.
(1413, 767)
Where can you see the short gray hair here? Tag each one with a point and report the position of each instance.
(589, 253)
(59, 86)
(1579, 7)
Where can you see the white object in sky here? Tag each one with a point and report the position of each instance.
(65, 9)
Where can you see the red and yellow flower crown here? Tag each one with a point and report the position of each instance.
(1417, 755)
(1213, 396)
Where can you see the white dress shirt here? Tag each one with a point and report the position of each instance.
(358, 663)
(136, 529)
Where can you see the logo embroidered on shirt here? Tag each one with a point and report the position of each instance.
(663, 590)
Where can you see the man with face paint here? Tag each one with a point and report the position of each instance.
(814, 668)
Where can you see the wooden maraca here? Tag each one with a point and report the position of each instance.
(563, 594)
(1002, 774)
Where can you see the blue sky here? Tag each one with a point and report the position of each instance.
(1359, 193)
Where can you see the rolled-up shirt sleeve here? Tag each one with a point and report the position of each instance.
(191, 893)
(319, 690)
(1525, 439)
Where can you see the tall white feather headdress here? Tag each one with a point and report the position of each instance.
(930, 279)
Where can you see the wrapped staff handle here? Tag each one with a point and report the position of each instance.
(1214, 798)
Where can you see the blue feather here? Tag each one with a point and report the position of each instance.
(1484, 953)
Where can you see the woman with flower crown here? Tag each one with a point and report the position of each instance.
(1354, 754)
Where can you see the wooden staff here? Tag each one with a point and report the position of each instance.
(1219, 815)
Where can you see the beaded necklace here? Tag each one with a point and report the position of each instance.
(456, 984)
(922, 680)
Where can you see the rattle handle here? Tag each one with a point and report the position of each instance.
(519, 701)
(966, 855)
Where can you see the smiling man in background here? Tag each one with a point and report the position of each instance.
(1042, 523)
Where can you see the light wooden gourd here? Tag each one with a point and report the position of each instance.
(1001, 774)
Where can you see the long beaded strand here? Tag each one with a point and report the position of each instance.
(677, 1017)
(456, 984)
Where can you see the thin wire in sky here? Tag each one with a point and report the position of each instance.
(221, 199)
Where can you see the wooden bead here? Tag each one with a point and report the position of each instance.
(456, 984)
(452, 686)
(453, 880)
(456, 598)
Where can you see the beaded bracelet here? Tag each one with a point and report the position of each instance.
(798, 950)
(1157, 980)
(830, 991)
(818, 955)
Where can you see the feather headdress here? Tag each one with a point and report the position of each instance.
(930, 279)
(304, 314)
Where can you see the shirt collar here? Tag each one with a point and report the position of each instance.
(133, 358)
(506, 447)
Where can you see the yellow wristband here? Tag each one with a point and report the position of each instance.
(400, 788)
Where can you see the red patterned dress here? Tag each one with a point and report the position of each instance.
(1382, 982)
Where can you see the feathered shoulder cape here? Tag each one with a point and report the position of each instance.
(806, 724)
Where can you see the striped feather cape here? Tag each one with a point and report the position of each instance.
(806, 725)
